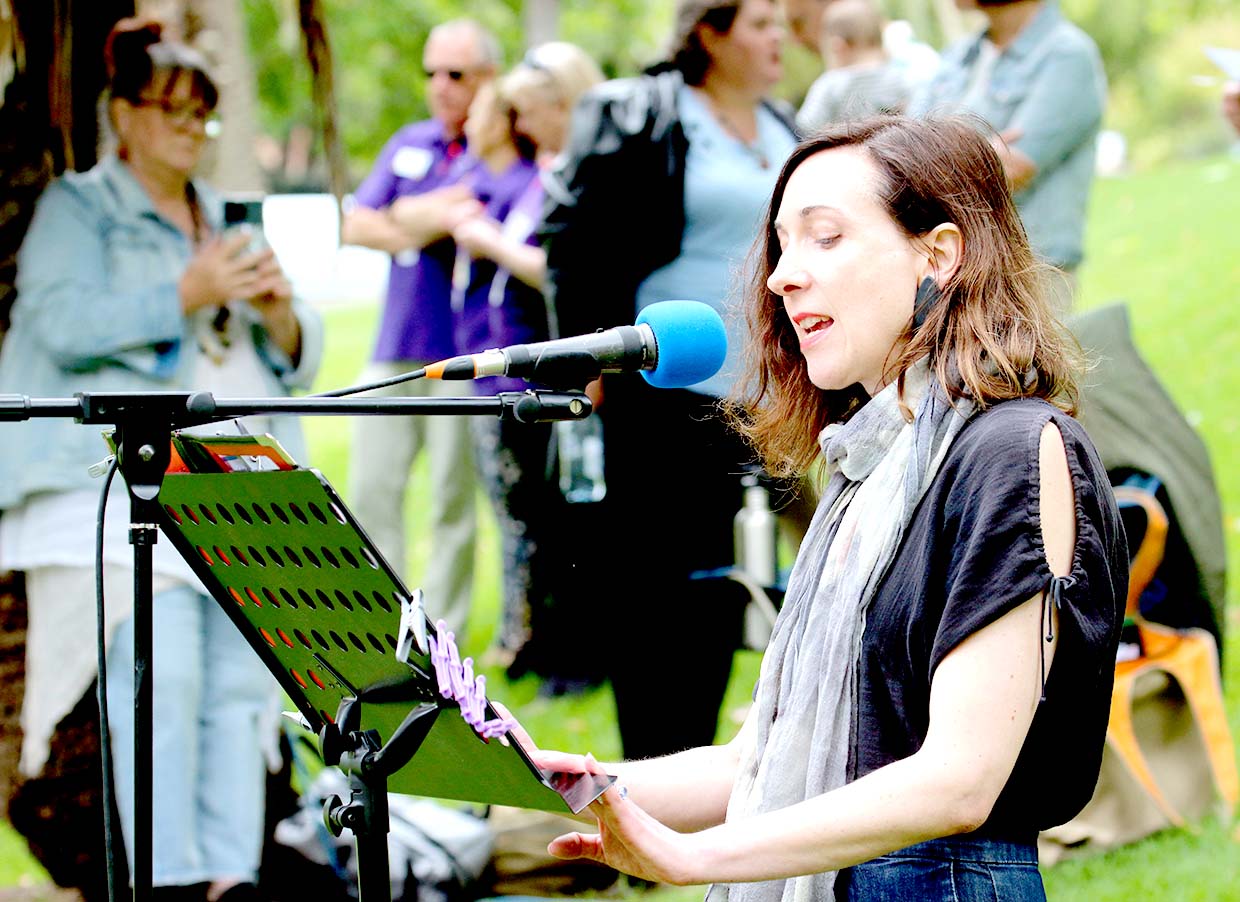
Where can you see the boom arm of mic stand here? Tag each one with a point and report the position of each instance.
(177, 410)
(144, 424)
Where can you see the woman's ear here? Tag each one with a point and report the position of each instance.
(708, 38)
(944, 248)
(119, 112)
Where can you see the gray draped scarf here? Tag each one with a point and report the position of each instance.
(880, 465)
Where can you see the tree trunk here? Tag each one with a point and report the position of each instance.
(542, 21)
(313, 19)
(232, 167)
(217, 29)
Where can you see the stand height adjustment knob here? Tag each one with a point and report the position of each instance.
(332, 818)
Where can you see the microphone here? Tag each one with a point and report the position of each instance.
(673, 344)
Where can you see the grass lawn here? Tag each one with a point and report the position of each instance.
(1162, 241)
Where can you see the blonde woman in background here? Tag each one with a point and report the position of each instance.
(525, 117)
(544, 88)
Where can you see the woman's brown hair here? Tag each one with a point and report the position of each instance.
(991, 336)
(687, 52)
(136, 50)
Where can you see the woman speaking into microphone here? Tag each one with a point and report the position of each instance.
(937, 685)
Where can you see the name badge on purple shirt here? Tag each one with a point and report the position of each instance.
(412, 163)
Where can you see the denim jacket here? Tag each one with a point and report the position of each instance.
(1049, 83)
(98, 309)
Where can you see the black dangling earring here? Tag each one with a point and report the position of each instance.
(928, 294)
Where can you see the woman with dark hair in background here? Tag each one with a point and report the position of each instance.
(126, 283)
(937, 685)
(658, 196)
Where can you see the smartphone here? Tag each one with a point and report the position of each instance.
(246, 214)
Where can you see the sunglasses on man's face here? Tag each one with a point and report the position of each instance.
(453, 74)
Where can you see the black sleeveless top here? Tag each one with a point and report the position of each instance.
(973, 551)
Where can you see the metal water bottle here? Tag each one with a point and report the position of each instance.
(580, 447)
(756, 537)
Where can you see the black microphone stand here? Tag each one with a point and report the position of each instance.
(144, 423)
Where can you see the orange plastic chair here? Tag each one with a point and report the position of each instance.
(1189, 656)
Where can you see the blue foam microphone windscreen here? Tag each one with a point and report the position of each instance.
(690, 340)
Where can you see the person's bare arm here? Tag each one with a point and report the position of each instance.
(428, 217)
(410, 222)
(687, 791)
(484, 237)
(983, 698)
(1231, 104)
(374, 229)
(1017, 165)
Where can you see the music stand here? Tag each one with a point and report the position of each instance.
(315, 599)
(374, 732)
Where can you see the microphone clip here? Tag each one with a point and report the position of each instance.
(541, 406)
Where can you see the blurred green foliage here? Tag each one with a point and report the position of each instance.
(1169, 107)
(377, 52)
(1164, 91)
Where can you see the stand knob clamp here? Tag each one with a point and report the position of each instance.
(339, 815)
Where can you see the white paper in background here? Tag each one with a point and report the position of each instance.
(304, 232)
(1227, 59)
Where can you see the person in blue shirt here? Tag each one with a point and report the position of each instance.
(658, 196)
(1037, 80)
(126, 283)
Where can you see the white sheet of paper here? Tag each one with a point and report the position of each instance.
(1227, 59)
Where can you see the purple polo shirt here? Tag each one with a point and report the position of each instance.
(495, 308)
(417, 317)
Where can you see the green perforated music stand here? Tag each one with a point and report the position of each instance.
(314, 598)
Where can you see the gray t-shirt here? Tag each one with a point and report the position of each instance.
(853, 92)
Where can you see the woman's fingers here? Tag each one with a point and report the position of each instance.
(578, 845)
(227, 245)
(548, 759)
(565, 762)
(262, 261)
(628, 839)
(518, 732)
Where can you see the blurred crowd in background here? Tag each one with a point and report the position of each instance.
(538, 199)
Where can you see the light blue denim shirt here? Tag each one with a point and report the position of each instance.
(1048, 83)
(727, 188)
(98, 309)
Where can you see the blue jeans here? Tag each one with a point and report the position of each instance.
(212, 695)
(959, 869)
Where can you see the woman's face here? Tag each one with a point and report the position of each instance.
(164, 130)
(847, 272)
(752, 50)
(541, 119)
(487, 128)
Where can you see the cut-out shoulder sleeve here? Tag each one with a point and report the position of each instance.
(992, 519)
(973, 552)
